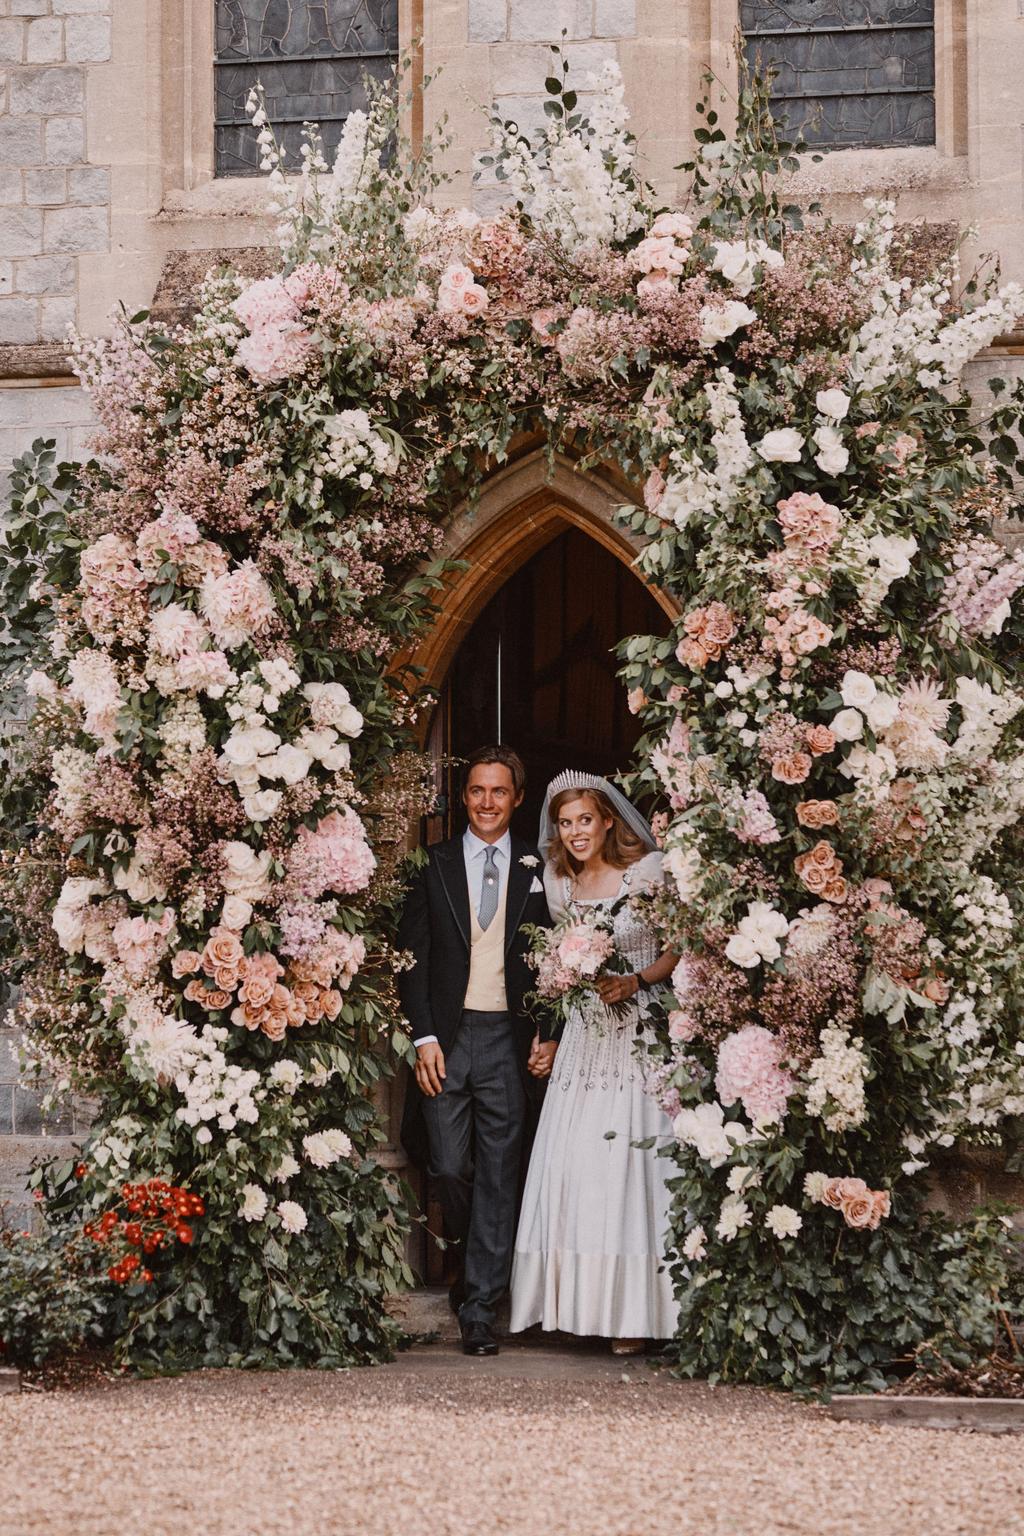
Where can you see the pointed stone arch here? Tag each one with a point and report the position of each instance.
(522, 507)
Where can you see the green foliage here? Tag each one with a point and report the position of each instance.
(54, 1296)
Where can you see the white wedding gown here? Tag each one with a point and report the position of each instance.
(592, 1234)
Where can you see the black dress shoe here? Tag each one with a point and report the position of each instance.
(456, 1295)
(478, 1339)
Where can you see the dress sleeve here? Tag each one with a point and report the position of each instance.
(646, 873)
(553, 889)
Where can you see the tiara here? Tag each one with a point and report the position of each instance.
(573, 779)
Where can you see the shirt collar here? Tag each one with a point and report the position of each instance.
(475, 845)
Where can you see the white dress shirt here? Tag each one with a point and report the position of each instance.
(474, 851)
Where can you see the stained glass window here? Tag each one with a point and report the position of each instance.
(312, 57)
(849, 72)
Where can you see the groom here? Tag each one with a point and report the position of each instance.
(474, 1042)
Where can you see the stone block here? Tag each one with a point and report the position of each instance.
(614, 18)
(6, 1109)
(89, 184)
(30, 7)
(65, 141)
(54, 90)
(19, 321)
(29, 1119)
(6, 276)
(80, 7)
(12, 42)
(488, 21)
(9, 1066)
(44, 42)
(10, 187)
(522, 68)
(21, 231)
(50, 275)
(46, 187)
(58, 315)
(72, 230)
(21, 140)
(87, 39)
(544, 21)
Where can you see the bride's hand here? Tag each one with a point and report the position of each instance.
(542, 1057)
(617, 989)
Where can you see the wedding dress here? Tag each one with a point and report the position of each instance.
(592, 1232)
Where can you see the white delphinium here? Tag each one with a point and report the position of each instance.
(734, 456)
(324, 1148)
(985, 713)
(945, 356)
(783, 1221)
(580, 185)
(293, 1218)
(255, 1203)
(836, 1080)
(348, 178)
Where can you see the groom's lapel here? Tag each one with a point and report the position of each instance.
(451, 866)
(520, 878)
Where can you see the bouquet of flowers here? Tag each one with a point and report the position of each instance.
(570, 958)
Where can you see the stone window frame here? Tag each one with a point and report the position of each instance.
(871, 168)
(187, 46)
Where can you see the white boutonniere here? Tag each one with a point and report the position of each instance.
(530, 860)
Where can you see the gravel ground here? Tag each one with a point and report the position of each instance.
(533, 1442)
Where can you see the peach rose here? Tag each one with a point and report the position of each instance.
(792, 769)
(223, 954)
(814, 878)
(936, 990)
(331, 1004)
(882, 1204)
(817, 813)
(692, 654)
(185, 962)
(720, 626)
(836, 891)
(820, 739)
(858, 1210)
(247, 1017)
(838, 1190)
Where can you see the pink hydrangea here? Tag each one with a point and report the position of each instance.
(334, 857)
(275, 352)
(236, 605)
(268, 302)
(750, 1072)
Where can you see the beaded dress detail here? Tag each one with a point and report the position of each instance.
(594, 1220)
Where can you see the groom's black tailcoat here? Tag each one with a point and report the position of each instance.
(472, 1133)
(435, 926)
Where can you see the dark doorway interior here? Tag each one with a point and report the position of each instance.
(538, 671)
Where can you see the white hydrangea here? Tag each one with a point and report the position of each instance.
(215, 1091)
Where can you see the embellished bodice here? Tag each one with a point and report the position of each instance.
(635, 939)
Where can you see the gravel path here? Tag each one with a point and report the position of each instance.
(533, 1443)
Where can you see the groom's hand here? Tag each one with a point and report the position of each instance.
(542, 1056)
(430, 1073)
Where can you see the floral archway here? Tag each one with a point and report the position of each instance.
(218, 774)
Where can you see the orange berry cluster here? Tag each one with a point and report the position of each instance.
(153, 1214)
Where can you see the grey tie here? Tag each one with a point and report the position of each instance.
(489, 890)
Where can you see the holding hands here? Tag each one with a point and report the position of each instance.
(542, 1057)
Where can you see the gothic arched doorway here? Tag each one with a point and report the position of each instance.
(537, 670)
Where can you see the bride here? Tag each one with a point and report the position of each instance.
(591, 1241)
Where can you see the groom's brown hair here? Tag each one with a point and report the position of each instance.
(498, 754)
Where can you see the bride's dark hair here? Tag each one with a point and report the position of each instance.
(622, 846)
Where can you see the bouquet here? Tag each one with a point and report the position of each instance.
(569, 959)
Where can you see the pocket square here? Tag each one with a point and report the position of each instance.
(536, 889)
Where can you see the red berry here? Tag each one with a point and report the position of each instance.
(80, 1170)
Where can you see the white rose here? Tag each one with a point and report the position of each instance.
(848, 725)
(857, 689)
(262, 805)
(235, 913)
(719, 323)
(783, 446)
(349, 721)
(286, 1074)
(833, 403)
(893, 554)
(245, 871)
(289, 762)
(138, 880)
(882, 711)
(69, 926)
(337, 758)
(742, 950)
(831, 458)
